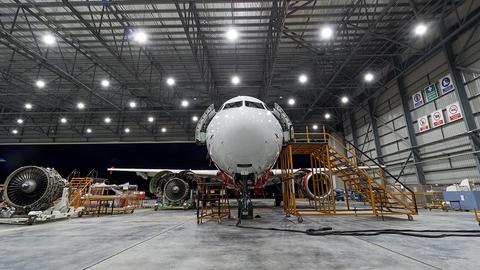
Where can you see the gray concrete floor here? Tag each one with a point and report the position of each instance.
(173, 240)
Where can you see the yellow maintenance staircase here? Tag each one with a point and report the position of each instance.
(380, 192)
(79, 186)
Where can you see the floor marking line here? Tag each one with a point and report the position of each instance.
(134, 245)
(398, 253)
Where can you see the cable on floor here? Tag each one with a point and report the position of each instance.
(325, 231)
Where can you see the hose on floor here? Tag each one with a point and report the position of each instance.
(325, 231)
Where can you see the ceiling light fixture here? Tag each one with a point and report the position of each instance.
(63, 120)
(369, 77)
(291, 101)
(49, 39)
(194, 118)
(302, 78)
(185, 103)
(235, 80)
(344, 99)
(19, 121)
(80, 105)
(140, 37)
(132, 104)
(164, 130)
(420, 29)
(28, 106)
(232, 34)
(326, 33)
(107, 120)
(327, 116)
(151, 119)
(40, 84)
(171, 81)
(105, 83)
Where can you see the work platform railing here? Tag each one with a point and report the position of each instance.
(369, 189)
(79, 186)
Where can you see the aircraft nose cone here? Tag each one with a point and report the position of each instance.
(246, 140)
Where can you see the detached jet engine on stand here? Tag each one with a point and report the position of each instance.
(35, 194)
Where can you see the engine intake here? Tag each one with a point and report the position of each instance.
(33, 188)
(173, 188)
(176, 190)
(306, 181)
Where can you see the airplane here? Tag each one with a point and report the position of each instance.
(244, 139)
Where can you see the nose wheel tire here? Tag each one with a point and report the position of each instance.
(239, 212)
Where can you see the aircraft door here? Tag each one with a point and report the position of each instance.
(285, 122)
(202, 124)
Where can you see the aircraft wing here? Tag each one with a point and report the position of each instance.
(276, 177)
(279, 171)
(146, 173)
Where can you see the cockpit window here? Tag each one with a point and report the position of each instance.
(233, 105)
(254, 105)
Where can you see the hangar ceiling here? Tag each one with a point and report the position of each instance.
(72, 46)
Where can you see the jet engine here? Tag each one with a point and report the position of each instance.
(173, 189)
(33, 188)
(305, 179)
(176, 190)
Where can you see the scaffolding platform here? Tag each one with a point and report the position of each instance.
(363, 180)
(212, 202)
(108, 204)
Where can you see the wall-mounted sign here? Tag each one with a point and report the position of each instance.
(417, 99)
(431, 92)
(453, 112)
(437, 119)
(446, 84)
(423, 124)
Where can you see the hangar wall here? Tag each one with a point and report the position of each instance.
(446, 152)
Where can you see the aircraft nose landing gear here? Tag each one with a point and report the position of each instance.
(245, 206)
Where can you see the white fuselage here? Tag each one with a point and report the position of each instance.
(244, 140)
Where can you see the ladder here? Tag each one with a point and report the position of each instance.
(79, 186)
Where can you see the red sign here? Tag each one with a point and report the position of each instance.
(423, 124)
(454, 112)
(437, 119)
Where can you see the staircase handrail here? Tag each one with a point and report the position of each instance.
(382, 167)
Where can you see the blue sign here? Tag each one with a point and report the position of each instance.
(446, 84)
(418, 99)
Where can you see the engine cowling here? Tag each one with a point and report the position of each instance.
(33, 188)
(158, 181)
(306, 182)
